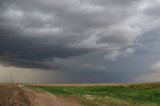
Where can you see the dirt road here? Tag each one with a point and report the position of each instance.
(14, 95)
(38, 98)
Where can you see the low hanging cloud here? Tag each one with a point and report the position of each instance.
(33, 32)
(153, 75)
(156, 67)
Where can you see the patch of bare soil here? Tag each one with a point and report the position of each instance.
(38, 98)
(12, 95)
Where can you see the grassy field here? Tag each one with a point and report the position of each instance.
(142, 94)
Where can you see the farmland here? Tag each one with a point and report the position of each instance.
(12, 95)
(140, 94)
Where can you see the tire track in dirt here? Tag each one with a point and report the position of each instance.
(38, 98)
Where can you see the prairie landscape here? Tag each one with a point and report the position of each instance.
(139, 94)
(79, 52)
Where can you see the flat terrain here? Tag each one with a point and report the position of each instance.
(100, 84)
(140, 94)
(18, 95)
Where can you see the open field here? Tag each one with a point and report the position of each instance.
(140, 94)
(100, 84)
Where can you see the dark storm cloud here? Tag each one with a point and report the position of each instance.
(32, 52)
(33, 32)
(24, 52)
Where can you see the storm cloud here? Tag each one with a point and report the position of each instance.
(37, 33)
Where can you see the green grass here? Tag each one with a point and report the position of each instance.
(143, 94)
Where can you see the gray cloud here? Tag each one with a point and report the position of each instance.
(34, 33)
(32, 52)
(153, 74)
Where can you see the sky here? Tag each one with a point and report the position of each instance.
(80, 41)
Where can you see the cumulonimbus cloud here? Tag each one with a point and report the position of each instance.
(35, 31)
